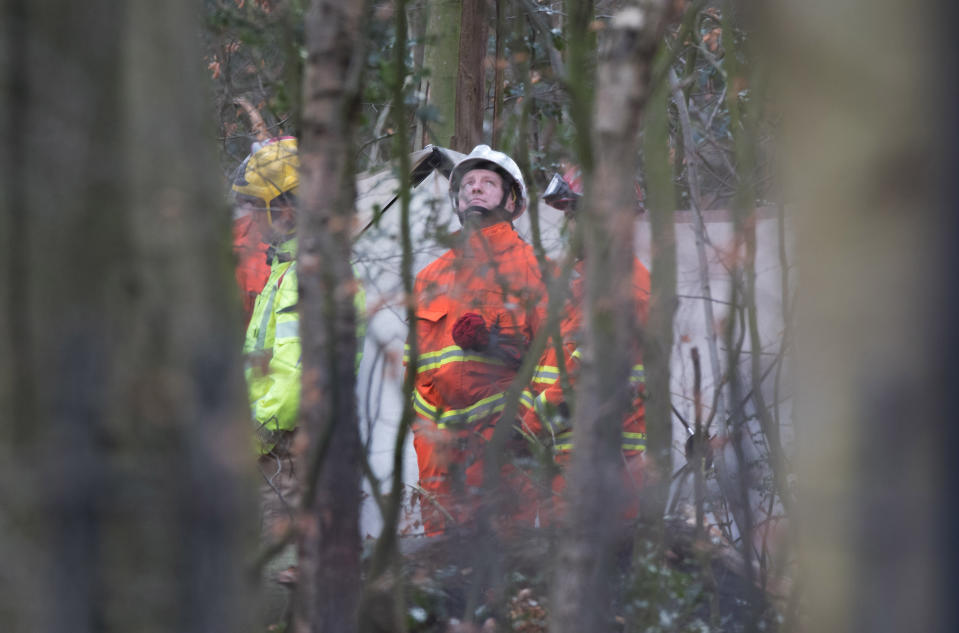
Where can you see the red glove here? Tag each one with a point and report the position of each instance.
(470, 332)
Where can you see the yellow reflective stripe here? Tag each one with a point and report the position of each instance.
(563, 441)
(576, 354)
(539, 406)
(546, 374)
(423, 407)
(425, 355)
(543, 410)
(429, 356)
(454, 355)
(406, 353)
(631, 441)
(459, 417)
(446, 356)
(527, 399)
(477, 411)
(634, 441)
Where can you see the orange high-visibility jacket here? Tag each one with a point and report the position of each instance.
(460, 393)
(544, 412)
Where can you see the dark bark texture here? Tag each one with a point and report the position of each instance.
(471, 76)
(123, 444)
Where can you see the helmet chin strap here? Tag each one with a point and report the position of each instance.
(501, 207)
(497, 210)
(284, 233)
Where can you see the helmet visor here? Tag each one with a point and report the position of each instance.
(560, 195)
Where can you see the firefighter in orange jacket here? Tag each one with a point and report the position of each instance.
(478, 307)
(546, 413)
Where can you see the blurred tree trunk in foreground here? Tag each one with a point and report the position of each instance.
(328, 531)
(870, 111)
(123, 406)
(582, 592)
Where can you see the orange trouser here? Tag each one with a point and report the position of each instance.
(451, 479)
(553, 508)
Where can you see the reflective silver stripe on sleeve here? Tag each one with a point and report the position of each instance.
(288, 329)
(265, 320)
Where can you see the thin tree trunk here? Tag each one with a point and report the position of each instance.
(742, 319)
(383, 607)
(327, 593)
(693, 179)
(743, 120)
(582, 596)
(442, 52)
(724, 475)
(418, 15)
(658, 340)
(471, 76)
(498, 73)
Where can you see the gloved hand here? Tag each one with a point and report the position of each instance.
(470, 332)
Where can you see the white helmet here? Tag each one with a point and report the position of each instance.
(484, 157)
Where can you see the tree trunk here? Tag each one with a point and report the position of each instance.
(499, 64)
(442, 53)
(418, 13)
(328, 537)
(582, 596)
(383, 605)
(876, 230)
(124, 434)
(471, 76)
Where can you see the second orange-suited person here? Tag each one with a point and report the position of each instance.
(479, 305)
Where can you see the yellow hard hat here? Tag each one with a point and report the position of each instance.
(271, 170)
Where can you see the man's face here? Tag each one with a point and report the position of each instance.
(480, 195)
